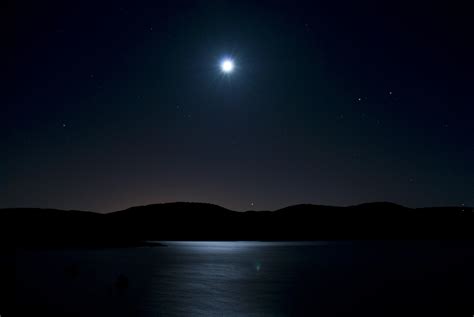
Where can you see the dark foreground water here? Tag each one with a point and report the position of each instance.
(250, 279)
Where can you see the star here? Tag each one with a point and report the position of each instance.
(227, 65)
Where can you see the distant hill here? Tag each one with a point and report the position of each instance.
(201, 221)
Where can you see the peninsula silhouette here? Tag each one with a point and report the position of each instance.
(203, 221)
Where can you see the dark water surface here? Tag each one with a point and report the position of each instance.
(403, 278)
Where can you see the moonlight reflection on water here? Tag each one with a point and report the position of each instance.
(251, 279)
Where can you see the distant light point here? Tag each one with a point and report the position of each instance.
(227, 65)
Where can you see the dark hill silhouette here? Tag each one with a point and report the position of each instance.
(201, 221)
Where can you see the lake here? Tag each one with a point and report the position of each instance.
(347, 278)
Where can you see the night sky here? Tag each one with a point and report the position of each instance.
(123, 103)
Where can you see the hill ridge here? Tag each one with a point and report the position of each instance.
(205, 221)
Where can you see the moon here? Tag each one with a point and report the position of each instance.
(227, 65)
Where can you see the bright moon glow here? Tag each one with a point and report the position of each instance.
(227, 65)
